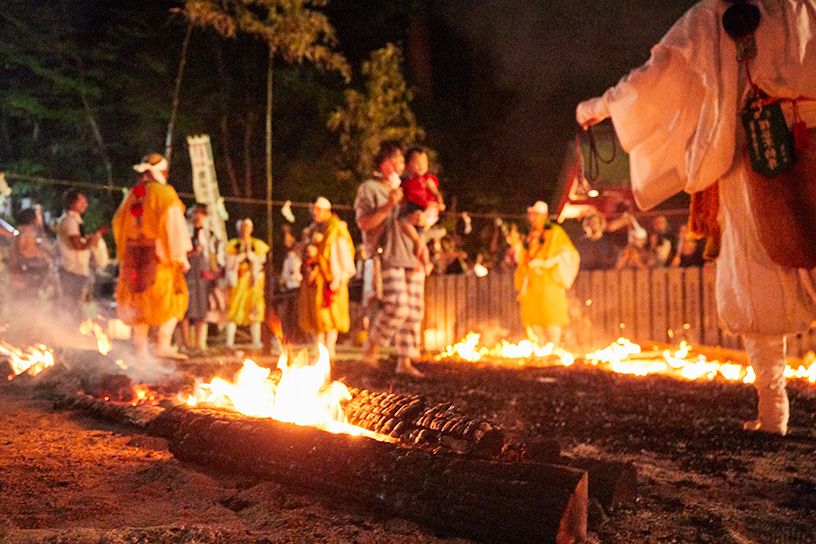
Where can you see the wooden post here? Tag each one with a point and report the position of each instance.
(692, 295)
(711, 329)
(659, 305)
(674, 294)
(643, 304)
(612, 303)
(627, 303)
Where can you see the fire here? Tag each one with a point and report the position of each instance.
(304, 395)
(806, 369)
(468, 349)
(625, 357)
(32, 361)
(142, 394)
(103, 343)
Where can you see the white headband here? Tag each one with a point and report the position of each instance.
(156, 170)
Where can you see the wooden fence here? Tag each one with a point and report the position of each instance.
(658, 305)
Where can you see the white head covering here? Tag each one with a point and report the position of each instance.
(322, 203)
(637, 232)
(155, 164)
(240, 222)
(539, 207)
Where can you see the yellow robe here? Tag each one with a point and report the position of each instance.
(313, 315)
(246, 303)
(542, 292)
(166, 298)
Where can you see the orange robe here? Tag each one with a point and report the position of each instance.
(166, 297)
(316, 314)
(542, 291)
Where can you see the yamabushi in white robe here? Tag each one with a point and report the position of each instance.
(677, 117)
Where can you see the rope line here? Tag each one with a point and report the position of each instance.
(233, 199)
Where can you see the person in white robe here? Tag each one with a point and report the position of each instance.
(677, 117)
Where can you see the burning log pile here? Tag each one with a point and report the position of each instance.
(484, 499)
(420, 460)
(488, 500)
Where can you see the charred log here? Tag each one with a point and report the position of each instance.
(487, 500)
(412, 420)
(115, 412)
(610, 482)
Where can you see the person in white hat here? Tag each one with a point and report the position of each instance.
(323, 308)
(547, 266)
(152, 245)
(246, 303)
(637, 253)
(678, 116)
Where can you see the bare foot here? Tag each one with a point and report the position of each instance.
(170, 353)
(371, 356)
(405, 367)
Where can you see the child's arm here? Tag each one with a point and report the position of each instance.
(433, 186)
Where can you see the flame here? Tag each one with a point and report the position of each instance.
(32, 361)
(103, 343)
(626, 357)
(468, 349)
(143, 394)
(304, 395)
(806, 370)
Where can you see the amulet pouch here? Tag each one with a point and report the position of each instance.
(769, 141)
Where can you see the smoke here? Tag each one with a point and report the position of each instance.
(30, 321)
(143, 368)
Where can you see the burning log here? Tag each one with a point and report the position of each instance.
(115, 412)
(487, 500)
(410, 419)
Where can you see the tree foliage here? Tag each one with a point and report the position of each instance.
(381, 112)
(295, 30)
(60, 100)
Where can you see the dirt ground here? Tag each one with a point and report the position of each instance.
(65, 478)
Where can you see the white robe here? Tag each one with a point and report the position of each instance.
(677, 118)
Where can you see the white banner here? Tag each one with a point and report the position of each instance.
(205, 185)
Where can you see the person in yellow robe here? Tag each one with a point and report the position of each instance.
(324, 298)
(246, 303)
(152, 245)
(547, 267)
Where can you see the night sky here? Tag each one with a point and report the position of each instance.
(497, 81)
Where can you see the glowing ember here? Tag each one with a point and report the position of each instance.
(32, 361)
(103, 344)
(624, 357)
(142, 394)
(304, 395)
(469, 350)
